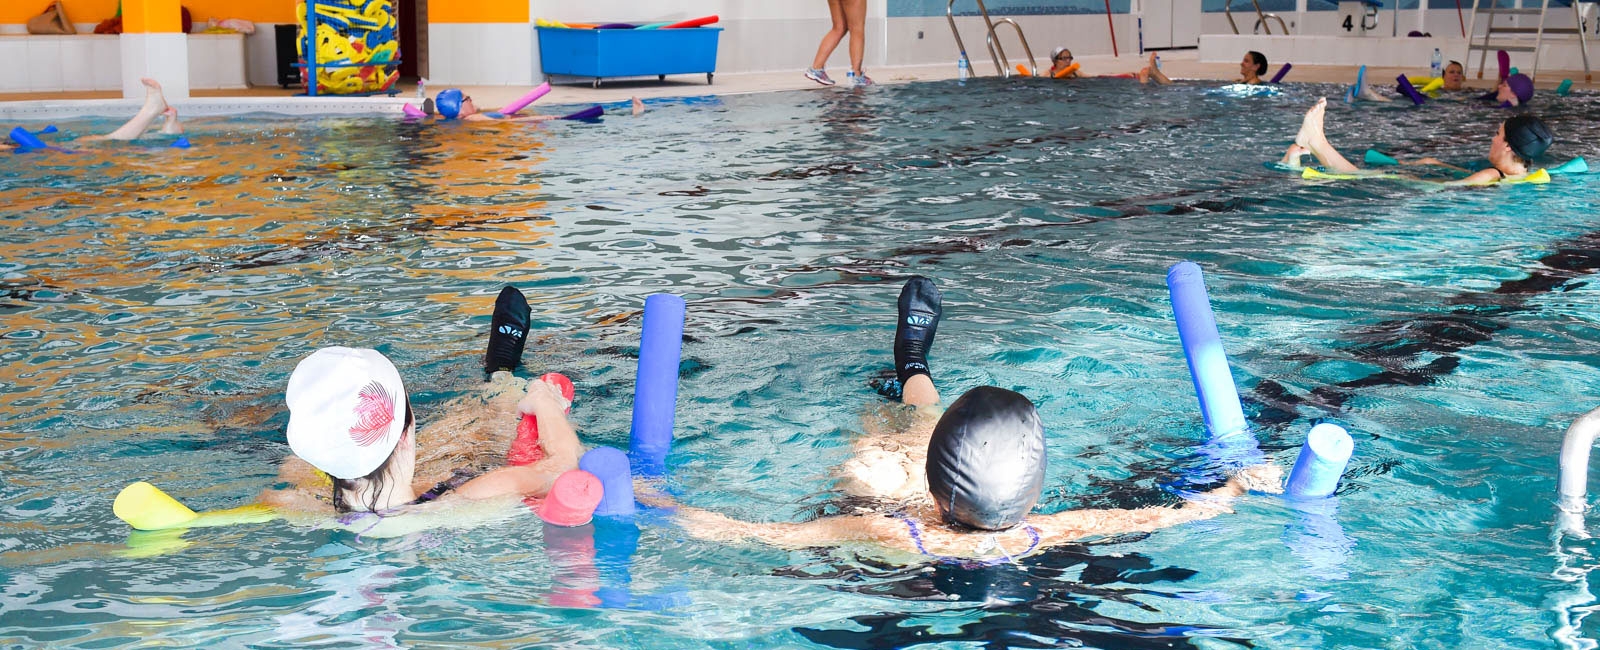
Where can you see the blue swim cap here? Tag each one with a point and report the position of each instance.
(449, 103)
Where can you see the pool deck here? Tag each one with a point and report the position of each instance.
(1178, 64)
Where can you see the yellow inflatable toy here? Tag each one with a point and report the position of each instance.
(146, 507)
(1536, 177)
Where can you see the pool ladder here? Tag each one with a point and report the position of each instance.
(1261, 19)
(996, 51)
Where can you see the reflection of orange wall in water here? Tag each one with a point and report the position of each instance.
(226, 228)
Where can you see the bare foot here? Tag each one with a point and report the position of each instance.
(152, 93)
(1291, 157)
(1311, 128)
(638, 106)
(1144, 73)
(172, 126)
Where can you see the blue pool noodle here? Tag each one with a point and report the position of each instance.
(655, 391)
(1202, 347)
(610, 465)
(27, 140)
(1322, 460)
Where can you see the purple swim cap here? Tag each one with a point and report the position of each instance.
(1522, 86)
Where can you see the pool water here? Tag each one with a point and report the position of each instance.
(155, 300)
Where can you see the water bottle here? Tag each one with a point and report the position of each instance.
(422, 89)
(850, 79)
(1158, 61)
(1438, 64)
(963, 70)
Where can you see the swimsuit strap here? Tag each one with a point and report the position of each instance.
(1006, 558)
(457, 478)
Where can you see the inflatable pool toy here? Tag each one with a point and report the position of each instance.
(610, 465)
(1202, 349)
(181, 143)
(543, 22)
(1067, 71)
(617, 26)
(525, 449)
(1022, 70)
(1321, 463)
(145, 507)
(522, 102)
(1504, 59)
(1432, 86)
(986, 459)
(1536, 177)
(572, 499)
(411, 111)
(1565, 88)
(1281, 72)
(655, 25)
(1353, 93)
(655, 391)
(693, 22)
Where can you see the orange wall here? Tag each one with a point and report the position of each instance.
(79, 11)
(94, 11)
(478, 11)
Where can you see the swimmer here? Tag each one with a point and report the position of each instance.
(1061, 59)
(452, 104)
(1151, 71)
(155, 105)
(1454, 75)
(1513, 91)
(1252, 67)
(1519, 140)
(350, 420)
(982, 464)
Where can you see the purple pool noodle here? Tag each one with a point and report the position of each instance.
(1202, 348)
(1405, 88)
(655, 390)
(610, 465)
(589, 113)
(1282, 71)
(616, 26)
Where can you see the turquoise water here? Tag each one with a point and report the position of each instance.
(154, 302)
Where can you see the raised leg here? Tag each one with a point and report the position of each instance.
(1312, 138)
(154, 105)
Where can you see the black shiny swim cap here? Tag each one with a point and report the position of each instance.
(1528, 136)
(986, 459)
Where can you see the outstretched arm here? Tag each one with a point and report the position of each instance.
(826, 531)
(556, 436)
(1076, 524)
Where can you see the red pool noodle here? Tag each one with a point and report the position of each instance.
(525, 450)
(697, 22)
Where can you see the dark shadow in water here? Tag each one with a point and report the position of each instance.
(1032, 604)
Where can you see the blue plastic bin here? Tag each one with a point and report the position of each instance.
(601, 53)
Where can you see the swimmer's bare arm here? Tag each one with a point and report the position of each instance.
(1076, 524)
(827, 531)
(1434, 162)
(560, 443)
(1490, 175)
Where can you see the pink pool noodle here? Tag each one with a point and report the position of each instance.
(523, 101)
(572, 499)
(412, 111)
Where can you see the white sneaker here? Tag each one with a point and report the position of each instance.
(818, 76)
(862, 81)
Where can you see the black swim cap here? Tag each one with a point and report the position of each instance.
(986, 459)
(1528, 136)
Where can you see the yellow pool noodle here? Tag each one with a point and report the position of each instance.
(145, 507)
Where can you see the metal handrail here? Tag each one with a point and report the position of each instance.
(1033, 66)
(1261, 22)
(997, 52)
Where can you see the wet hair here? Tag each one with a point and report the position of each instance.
(377, 477)
(1261, 61)
(1527, 136)
(1456, 64)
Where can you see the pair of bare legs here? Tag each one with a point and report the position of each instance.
(1151, 72)
(849, 17)
(155, 105)
(1311, 140)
